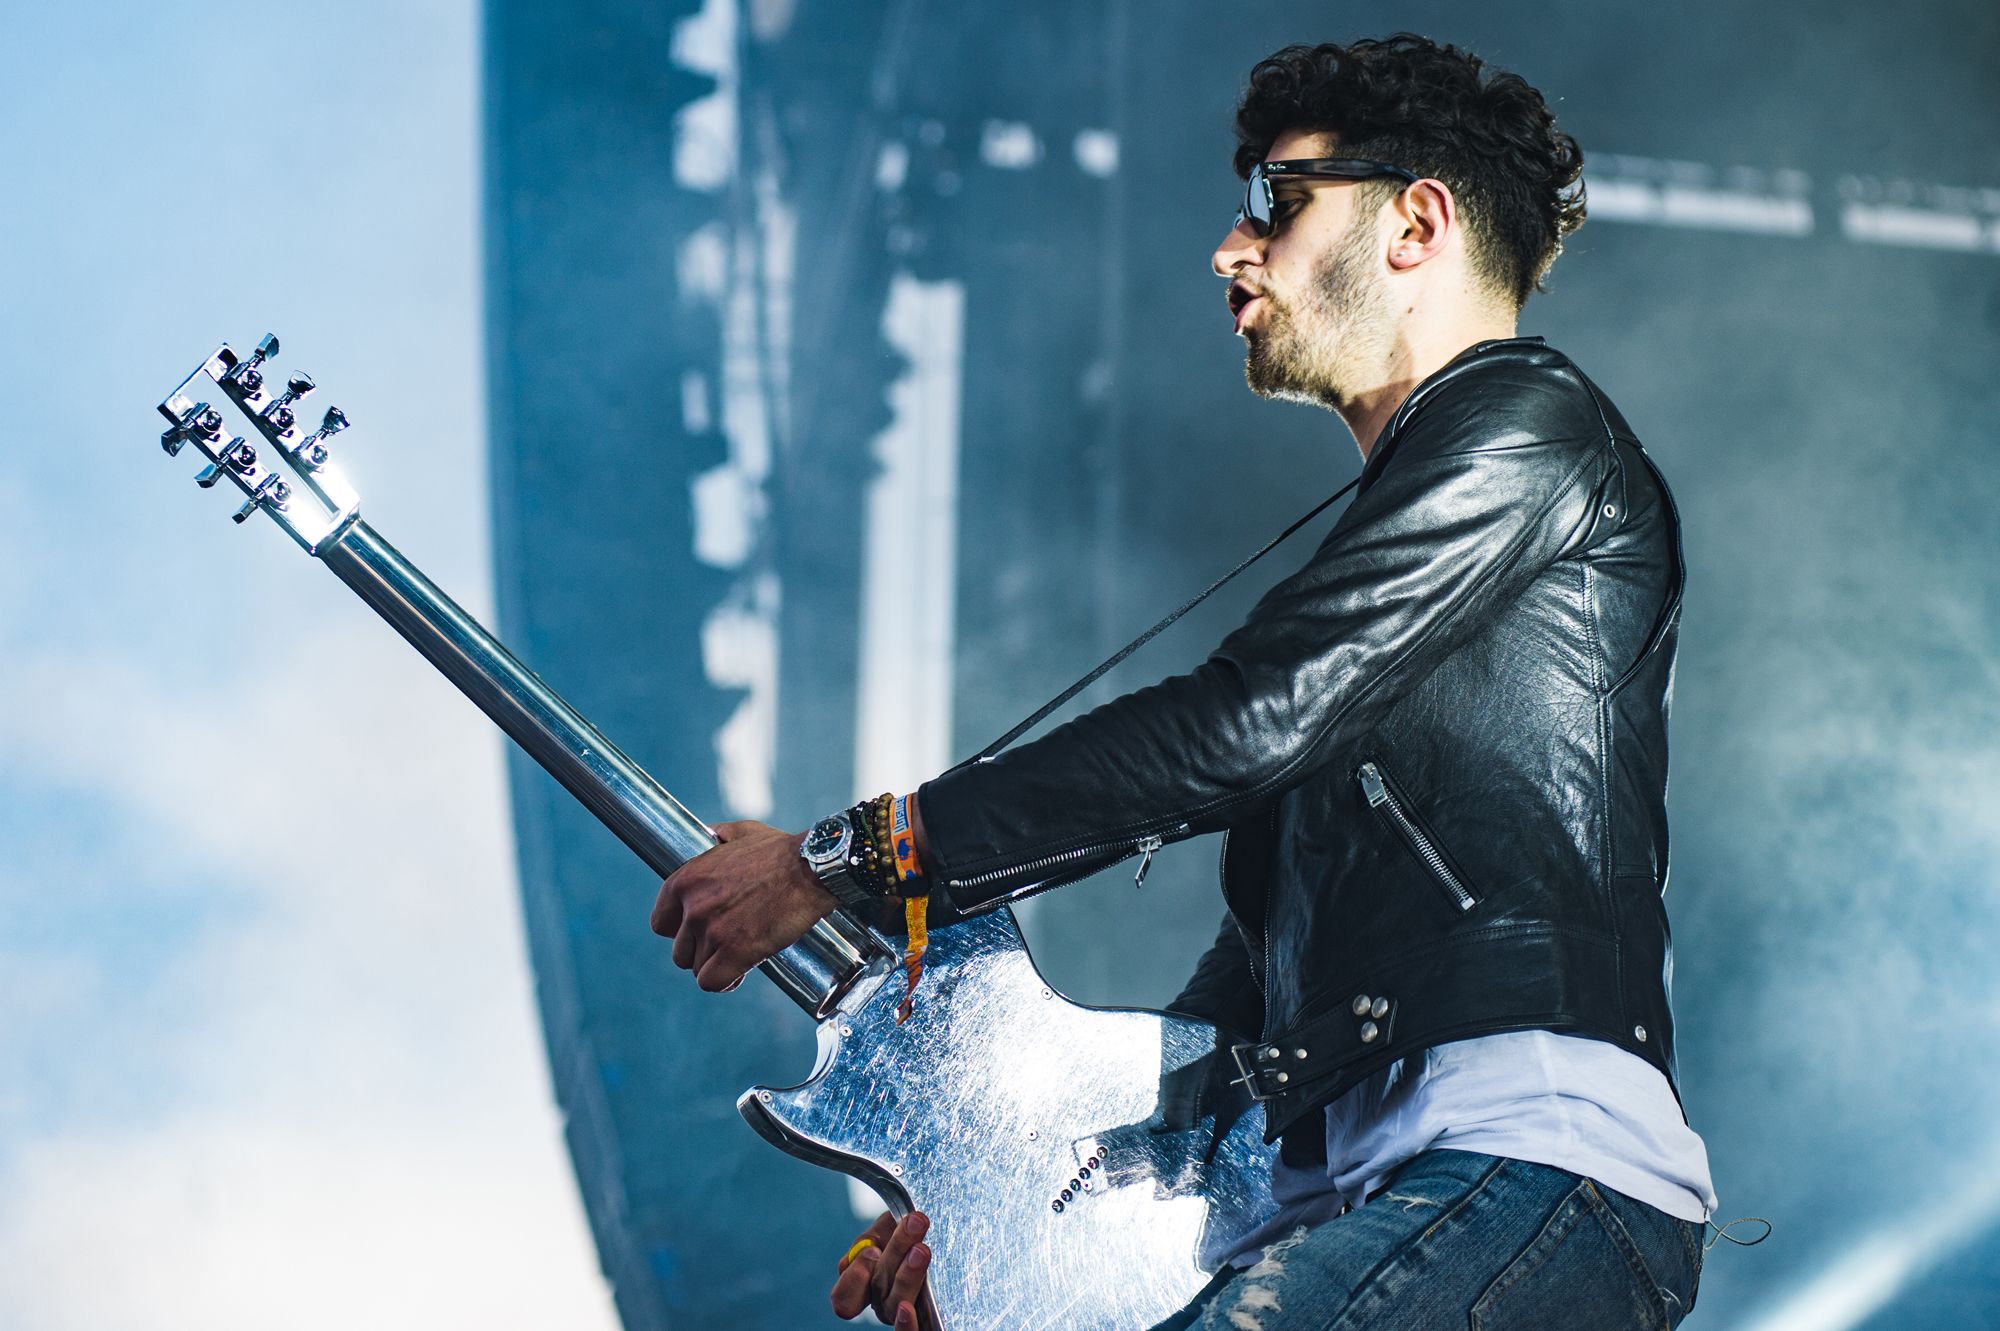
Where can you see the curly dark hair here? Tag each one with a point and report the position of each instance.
(1442, 113)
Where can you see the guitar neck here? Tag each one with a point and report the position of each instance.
(656, 826)
(838, 957)
(817, 972)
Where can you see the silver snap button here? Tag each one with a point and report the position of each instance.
(1360, 1005)
(1284, 1077)
(1381, 1008)
(1298, 1053)
(1272, 1052)
(1639, 1034)
(1368, 1032)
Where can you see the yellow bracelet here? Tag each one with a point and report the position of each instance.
(857, 1249)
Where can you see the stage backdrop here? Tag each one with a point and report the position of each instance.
(857, 380)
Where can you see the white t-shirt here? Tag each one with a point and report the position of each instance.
(1578, 1104)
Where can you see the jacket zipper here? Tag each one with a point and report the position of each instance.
(1144, 845)
(1147, 845)
(1382, 798)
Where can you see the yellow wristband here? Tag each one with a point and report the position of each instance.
(903, 837)
(857, 1249)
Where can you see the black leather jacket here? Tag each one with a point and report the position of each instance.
(1440, 751)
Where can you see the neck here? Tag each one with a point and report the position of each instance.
(1420, 349)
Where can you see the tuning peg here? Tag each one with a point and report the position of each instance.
(312, 451)
(201, 419)
(248, 376)
(270, 490)
(239, 456)
(279, 412)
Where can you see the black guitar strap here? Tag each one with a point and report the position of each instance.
(986, 753)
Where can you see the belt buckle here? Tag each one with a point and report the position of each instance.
(1248, 1081)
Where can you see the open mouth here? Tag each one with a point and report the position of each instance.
(1241, 296)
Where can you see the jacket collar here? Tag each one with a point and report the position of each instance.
(1378, 459)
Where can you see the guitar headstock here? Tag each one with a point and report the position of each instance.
(316, 504)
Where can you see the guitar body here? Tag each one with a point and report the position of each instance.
(992, 1100)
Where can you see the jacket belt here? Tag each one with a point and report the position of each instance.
(1283, 1072)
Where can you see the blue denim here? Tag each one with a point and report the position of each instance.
(1468, 1241)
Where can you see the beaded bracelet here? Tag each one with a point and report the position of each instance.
(878, 856)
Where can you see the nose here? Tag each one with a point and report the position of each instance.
(1241, 246)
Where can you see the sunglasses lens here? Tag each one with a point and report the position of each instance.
(1256, 203)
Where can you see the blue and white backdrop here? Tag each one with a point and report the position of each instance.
(771, 367)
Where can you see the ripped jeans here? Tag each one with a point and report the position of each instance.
(1468, 1241)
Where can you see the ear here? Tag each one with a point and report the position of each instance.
(1425, 217)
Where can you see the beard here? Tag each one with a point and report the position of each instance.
(1311, 351)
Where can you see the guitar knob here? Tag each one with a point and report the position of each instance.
(249, 378)
(243, 457)
(333, 422)
(281, 418)
(267, 348)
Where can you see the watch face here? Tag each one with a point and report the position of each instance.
(828, 839)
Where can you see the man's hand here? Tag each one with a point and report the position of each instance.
(731, 907)
(887, 1275)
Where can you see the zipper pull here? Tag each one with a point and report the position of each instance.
(1147, 845)
(1372, 787)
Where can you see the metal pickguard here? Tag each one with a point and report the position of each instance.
(984, 1106)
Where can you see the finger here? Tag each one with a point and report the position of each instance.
(879, 1231)
(912, 1227)
(706, 948)
(685, 941)
(874, 1237)
(719, 976)
(906, 1317)
(907, 1285)
(667, 911)
(850, 1289)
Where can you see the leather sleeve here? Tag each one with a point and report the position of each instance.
(1489, 473)
(1222, 990)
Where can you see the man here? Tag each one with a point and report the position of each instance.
(1439, 751)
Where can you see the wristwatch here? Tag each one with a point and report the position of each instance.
(832, 850)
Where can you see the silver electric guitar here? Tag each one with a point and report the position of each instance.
(1083, 1168)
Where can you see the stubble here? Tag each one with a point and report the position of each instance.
(1312, 351)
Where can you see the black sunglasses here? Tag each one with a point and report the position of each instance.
(1257, 200)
